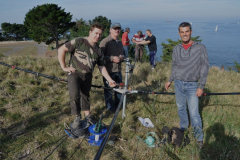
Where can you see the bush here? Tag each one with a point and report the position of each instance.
(168, 48)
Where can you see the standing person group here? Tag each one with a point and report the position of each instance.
(152, 46)
(189, 72)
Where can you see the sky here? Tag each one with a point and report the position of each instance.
(14, 11)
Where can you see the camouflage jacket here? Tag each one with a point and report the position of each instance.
(84, 56)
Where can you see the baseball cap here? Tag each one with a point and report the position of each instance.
(114, 25)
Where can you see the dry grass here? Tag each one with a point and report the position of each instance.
(33, 111)
(27, 51)
(2, 50)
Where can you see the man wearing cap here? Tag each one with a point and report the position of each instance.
(125, 41)
(113, 51)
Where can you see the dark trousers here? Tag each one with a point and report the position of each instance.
(108, 94)
(139, 52)
(79, 86)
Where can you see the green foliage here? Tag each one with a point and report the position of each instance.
(81, 29)
(168, 48)
(47, 22)
(237, 66)
(14, 31)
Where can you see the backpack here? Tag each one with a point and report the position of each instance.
(176, 136)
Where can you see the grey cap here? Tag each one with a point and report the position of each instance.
(114, 25)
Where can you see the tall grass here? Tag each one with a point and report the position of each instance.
(33, 111)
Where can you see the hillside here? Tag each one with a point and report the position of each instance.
(34, 111)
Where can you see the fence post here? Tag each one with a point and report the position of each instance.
(125, 87)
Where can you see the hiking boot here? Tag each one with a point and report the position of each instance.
(90, 120)
(78, 127)
(76, 123)
(80, 131)
(200, 144)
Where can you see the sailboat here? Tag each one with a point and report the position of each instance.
(238, 23)
(216, 28)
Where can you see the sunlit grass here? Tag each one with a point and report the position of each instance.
(33, 111)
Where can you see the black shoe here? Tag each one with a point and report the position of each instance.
(76, 123)
(90, 120)
(200, 144)
(80, 131)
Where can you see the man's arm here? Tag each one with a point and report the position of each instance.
(61, 58)
(144, 42)
(134, 41)
(168, 84)
(105, 74)
(203, 71)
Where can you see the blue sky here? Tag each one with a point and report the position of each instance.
(13, 11)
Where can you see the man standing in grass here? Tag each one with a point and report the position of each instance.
(113, 51)
(152, 46)
(189, 64)
(138, 37)
(125, 41)
(85, 55)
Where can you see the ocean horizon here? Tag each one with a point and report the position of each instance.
(223, 44)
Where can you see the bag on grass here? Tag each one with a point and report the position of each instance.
(176, 136)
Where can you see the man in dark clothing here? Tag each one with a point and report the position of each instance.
(189, 65)
(113, 51)
(85, 55)
(152, 46)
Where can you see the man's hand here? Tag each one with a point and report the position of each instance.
(121, 57)
(112, 83)
(116, 59)
(199, 92)
(167, 85)
(69, 69)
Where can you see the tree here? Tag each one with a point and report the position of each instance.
(168, 48)
(18, 31)
(81, 29)
(237, 66)
(47, 22)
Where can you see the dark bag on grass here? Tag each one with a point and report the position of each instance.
(176, 136)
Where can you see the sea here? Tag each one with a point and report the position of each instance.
(223, 43)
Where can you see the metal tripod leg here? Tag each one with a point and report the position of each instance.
(126, 86)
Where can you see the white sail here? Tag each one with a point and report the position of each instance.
(216, 28)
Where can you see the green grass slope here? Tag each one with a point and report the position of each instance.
(34, 112)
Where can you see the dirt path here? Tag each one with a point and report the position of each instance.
(41, 48)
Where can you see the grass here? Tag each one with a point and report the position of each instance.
(33, 111)
(2, 50)
(27, 51)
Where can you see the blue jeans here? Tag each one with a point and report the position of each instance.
(126, 51)
(108, 94)
(185, 93)
(153, 58)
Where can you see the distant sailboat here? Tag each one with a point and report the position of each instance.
(238, 23)
(216, 28)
